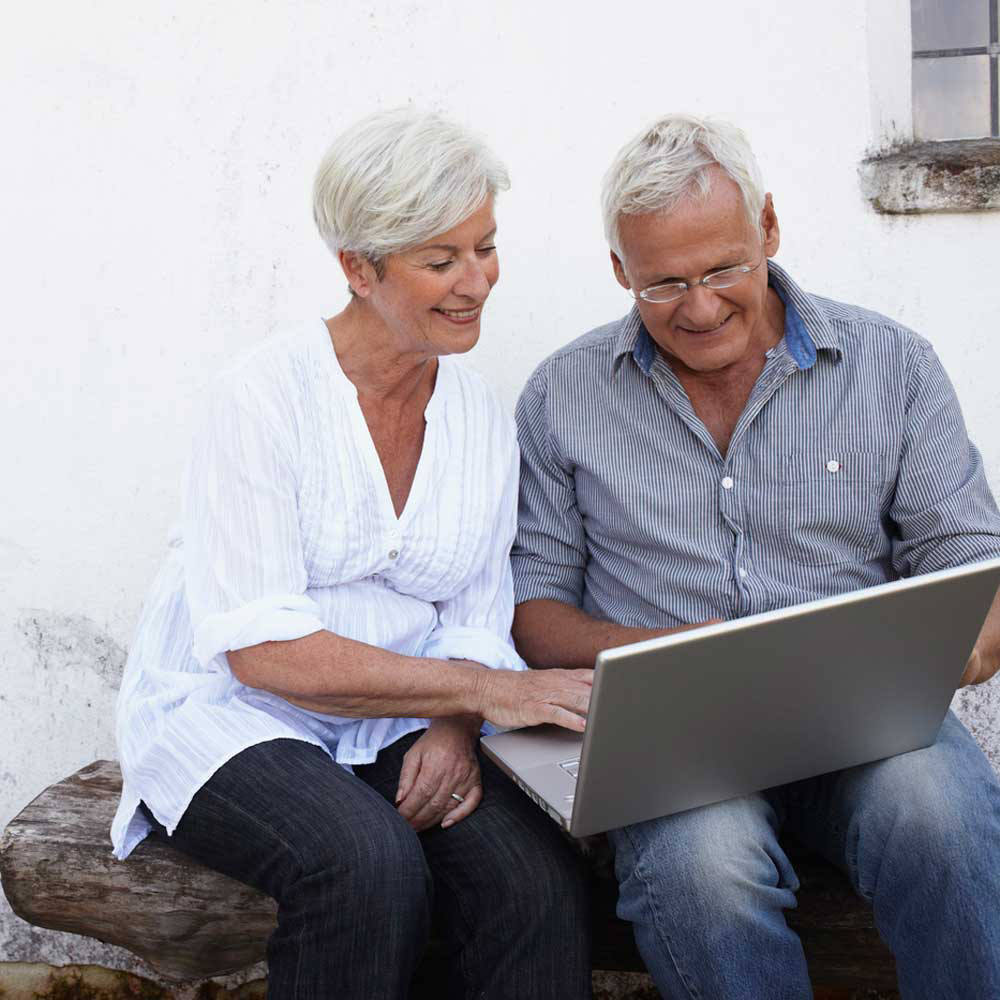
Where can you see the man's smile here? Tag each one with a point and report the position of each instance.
(707, 329)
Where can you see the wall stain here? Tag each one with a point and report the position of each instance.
(39, 981)
(65, 641)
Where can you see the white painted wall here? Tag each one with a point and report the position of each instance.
(156, 174)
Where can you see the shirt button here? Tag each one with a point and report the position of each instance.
(727, 483)
(833, 465)
(393, 553)
(743, 573)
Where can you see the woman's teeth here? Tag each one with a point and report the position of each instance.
(460, 313)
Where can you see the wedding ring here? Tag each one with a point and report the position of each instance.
(457, 797)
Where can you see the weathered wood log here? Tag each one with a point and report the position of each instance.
(189, 922)
(58, 872)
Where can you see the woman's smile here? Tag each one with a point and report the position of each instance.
(460, 316)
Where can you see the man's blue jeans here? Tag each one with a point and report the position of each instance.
(918, 836)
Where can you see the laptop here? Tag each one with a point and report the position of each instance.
(729, 709)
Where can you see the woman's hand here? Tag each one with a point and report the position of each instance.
(443, 761)
(510, 698)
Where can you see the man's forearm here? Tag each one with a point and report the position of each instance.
(553, 634)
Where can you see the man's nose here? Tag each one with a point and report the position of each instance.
(700, 305)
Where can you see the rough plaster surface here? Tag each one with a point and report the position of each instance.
(954, 176)
(71, 642)
(161, 164)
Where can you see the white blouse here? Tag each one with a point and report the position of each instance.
(288, 528)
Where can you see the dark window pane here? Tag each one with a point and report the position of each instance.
(950, 24)
(951, 97)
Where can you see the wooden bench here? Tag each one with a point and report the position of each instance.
(189, 922)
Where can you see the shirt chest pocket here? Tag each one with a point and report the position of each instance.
(831, 504)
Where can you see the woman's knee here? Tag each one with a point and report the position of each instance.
(551, 878)
(369, 856)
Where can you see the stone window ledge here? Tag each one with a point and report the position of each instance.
(961, 175)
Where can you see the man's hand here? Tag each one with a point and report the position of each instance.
(443, 761)
(978, 669)
(528, 698)
(985, 658)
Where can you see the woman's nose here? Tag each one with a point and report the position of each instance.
(473, 281)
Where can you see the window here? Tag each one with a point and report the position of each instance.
(956, 45)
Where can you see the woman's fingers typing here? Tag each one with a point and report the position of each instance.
(531, 697)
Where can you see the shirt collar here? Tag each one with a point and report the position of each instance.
(807, 330)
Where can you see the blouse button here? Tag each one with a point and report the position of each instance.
(393, 553)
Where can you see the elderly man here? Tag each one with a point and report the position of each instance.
(736, 444)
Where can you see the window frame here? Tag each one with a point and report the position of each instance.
(992, 51)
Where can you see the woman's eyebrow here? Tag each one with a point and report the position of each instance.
(451, 248)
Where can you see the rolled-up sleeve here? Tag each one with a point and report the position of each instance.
(474, 624)
(942, 508)
(550, 551)
(245, 576)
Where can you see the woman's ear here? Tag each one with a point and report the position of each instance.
(359, 272)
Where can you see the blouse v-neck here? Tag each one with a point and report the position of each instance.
(366, 444)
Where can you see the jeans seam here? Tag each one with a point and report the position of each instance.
(651, 898)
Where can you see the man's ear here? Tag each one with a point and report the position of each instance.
(359, 272)
(769, 226)
(619, 270)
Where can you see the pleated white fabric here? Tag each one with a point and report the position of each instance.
(288, 528)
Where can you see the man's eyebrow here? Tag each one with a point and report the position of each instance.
(450, 247)
(736, 256)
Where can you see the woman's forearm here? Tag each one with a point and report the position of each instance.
(327, 673)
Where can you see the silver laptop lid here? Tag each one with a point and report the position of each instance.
(717, 712)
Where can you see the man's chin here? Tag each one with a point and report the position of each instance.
(704, 356)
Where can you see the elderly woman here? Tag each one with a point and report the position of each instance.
(304, 696)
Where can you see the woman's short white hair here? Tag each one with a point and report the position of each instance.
(672, 160)
(396, 178)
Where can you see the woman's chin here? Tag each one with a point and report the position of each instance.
(455, 338)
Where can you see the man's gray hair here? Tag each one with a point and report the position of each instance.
(396, 178)
(671, 160)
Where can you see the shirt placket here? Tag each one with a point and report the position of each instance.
(778, 367)
(732, 471)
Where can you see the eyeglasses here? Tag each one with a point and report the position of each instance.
(671, 290)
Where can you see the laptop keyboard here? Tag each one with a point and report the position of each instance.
(571, 767)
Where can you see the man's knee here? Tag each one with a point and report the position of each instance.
(930, 812)
(717, 857)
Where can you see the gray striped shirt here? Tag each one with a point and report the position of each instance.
(849, 466)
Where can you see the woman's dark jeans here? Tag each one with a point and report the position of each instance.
(358, 890)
